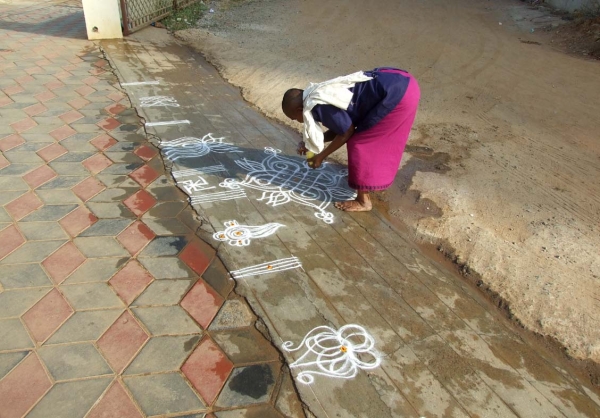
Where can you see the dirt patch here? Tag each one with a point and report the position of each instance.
(580, 37)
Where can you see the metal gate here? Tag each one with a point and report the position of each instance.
(137, 14)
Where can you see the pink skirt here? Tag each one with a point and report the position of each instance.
(374, 155)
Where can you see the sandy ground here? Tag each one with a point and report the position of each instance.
(504, 160)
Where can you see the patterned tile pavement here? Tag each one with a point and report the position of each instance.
(110, 304)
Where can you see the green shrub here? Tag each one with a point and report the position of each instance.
(185, 18)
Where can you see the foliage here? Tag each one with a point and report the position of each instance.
(186, 17)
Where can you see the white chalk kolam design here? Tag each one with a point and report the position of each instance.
(241, 235)
(156, 101)
(198, 185)
(334, 353)
(194, 186)
(284, 179)
(190, 147)
(268, 267)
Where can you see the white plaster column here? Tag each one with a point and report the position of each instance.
(102, 19)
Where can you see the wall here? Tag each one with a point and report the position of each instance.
(103, 15)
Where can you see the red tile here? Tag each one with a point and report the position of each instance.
(5, 101)
(51, 152)
(85, 90)
(62, 75)
(145, 152)
(5, 65)
(39, 176)
(43, 63)
(97, 163)
(207, 369)
(109, 124)
(34, 70)
(12, 90)
(3, 162)
(135, 237)
(77, 221)
(121, 341)
(60, 264)
(69, 67)
(24, 205)
(90, 81)
(23, 125)
(115, 109)
(115, 404)
(116, 97)
(78, 103)
(103, 142)
(11, 142)
(145, 175)
(47, 315)
(10, 240)
(36, 109)
(96, 71)
(140, 202)
(23, 387)
(63, 132)
(53, 85)
(71, 116)
(197, 255)
(131, 281)
(88, 188)
(24, 79)
(45, 96)
(202, 303)
(101, 63)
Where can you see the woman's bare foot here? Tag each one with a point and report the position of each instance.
(354, 206)
(362, 203)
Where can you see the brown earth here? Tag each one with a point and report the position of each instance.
(504, 159)
(581, 36)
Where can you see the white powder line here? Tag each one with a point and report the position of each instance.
(196, 171)
(155, 101)
(142, 83)
(172, 122)
(217, 197)
(268, 267)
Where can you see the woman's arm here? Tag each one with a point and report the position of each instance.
(335, 144)
(329, 136)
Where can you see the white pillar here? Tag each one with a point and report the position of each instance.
(102, 19)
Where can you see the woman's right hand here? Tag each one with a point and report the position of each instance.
(301, 150)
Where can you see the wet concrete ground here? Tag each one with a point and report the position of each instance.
(443, 351)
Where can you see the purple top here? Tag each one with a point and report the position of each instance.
(372, 101)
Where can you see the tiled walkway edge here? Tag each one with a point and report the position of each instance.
(251, 342)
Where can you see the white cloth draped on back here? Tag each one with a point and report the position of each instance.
(334, 92)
